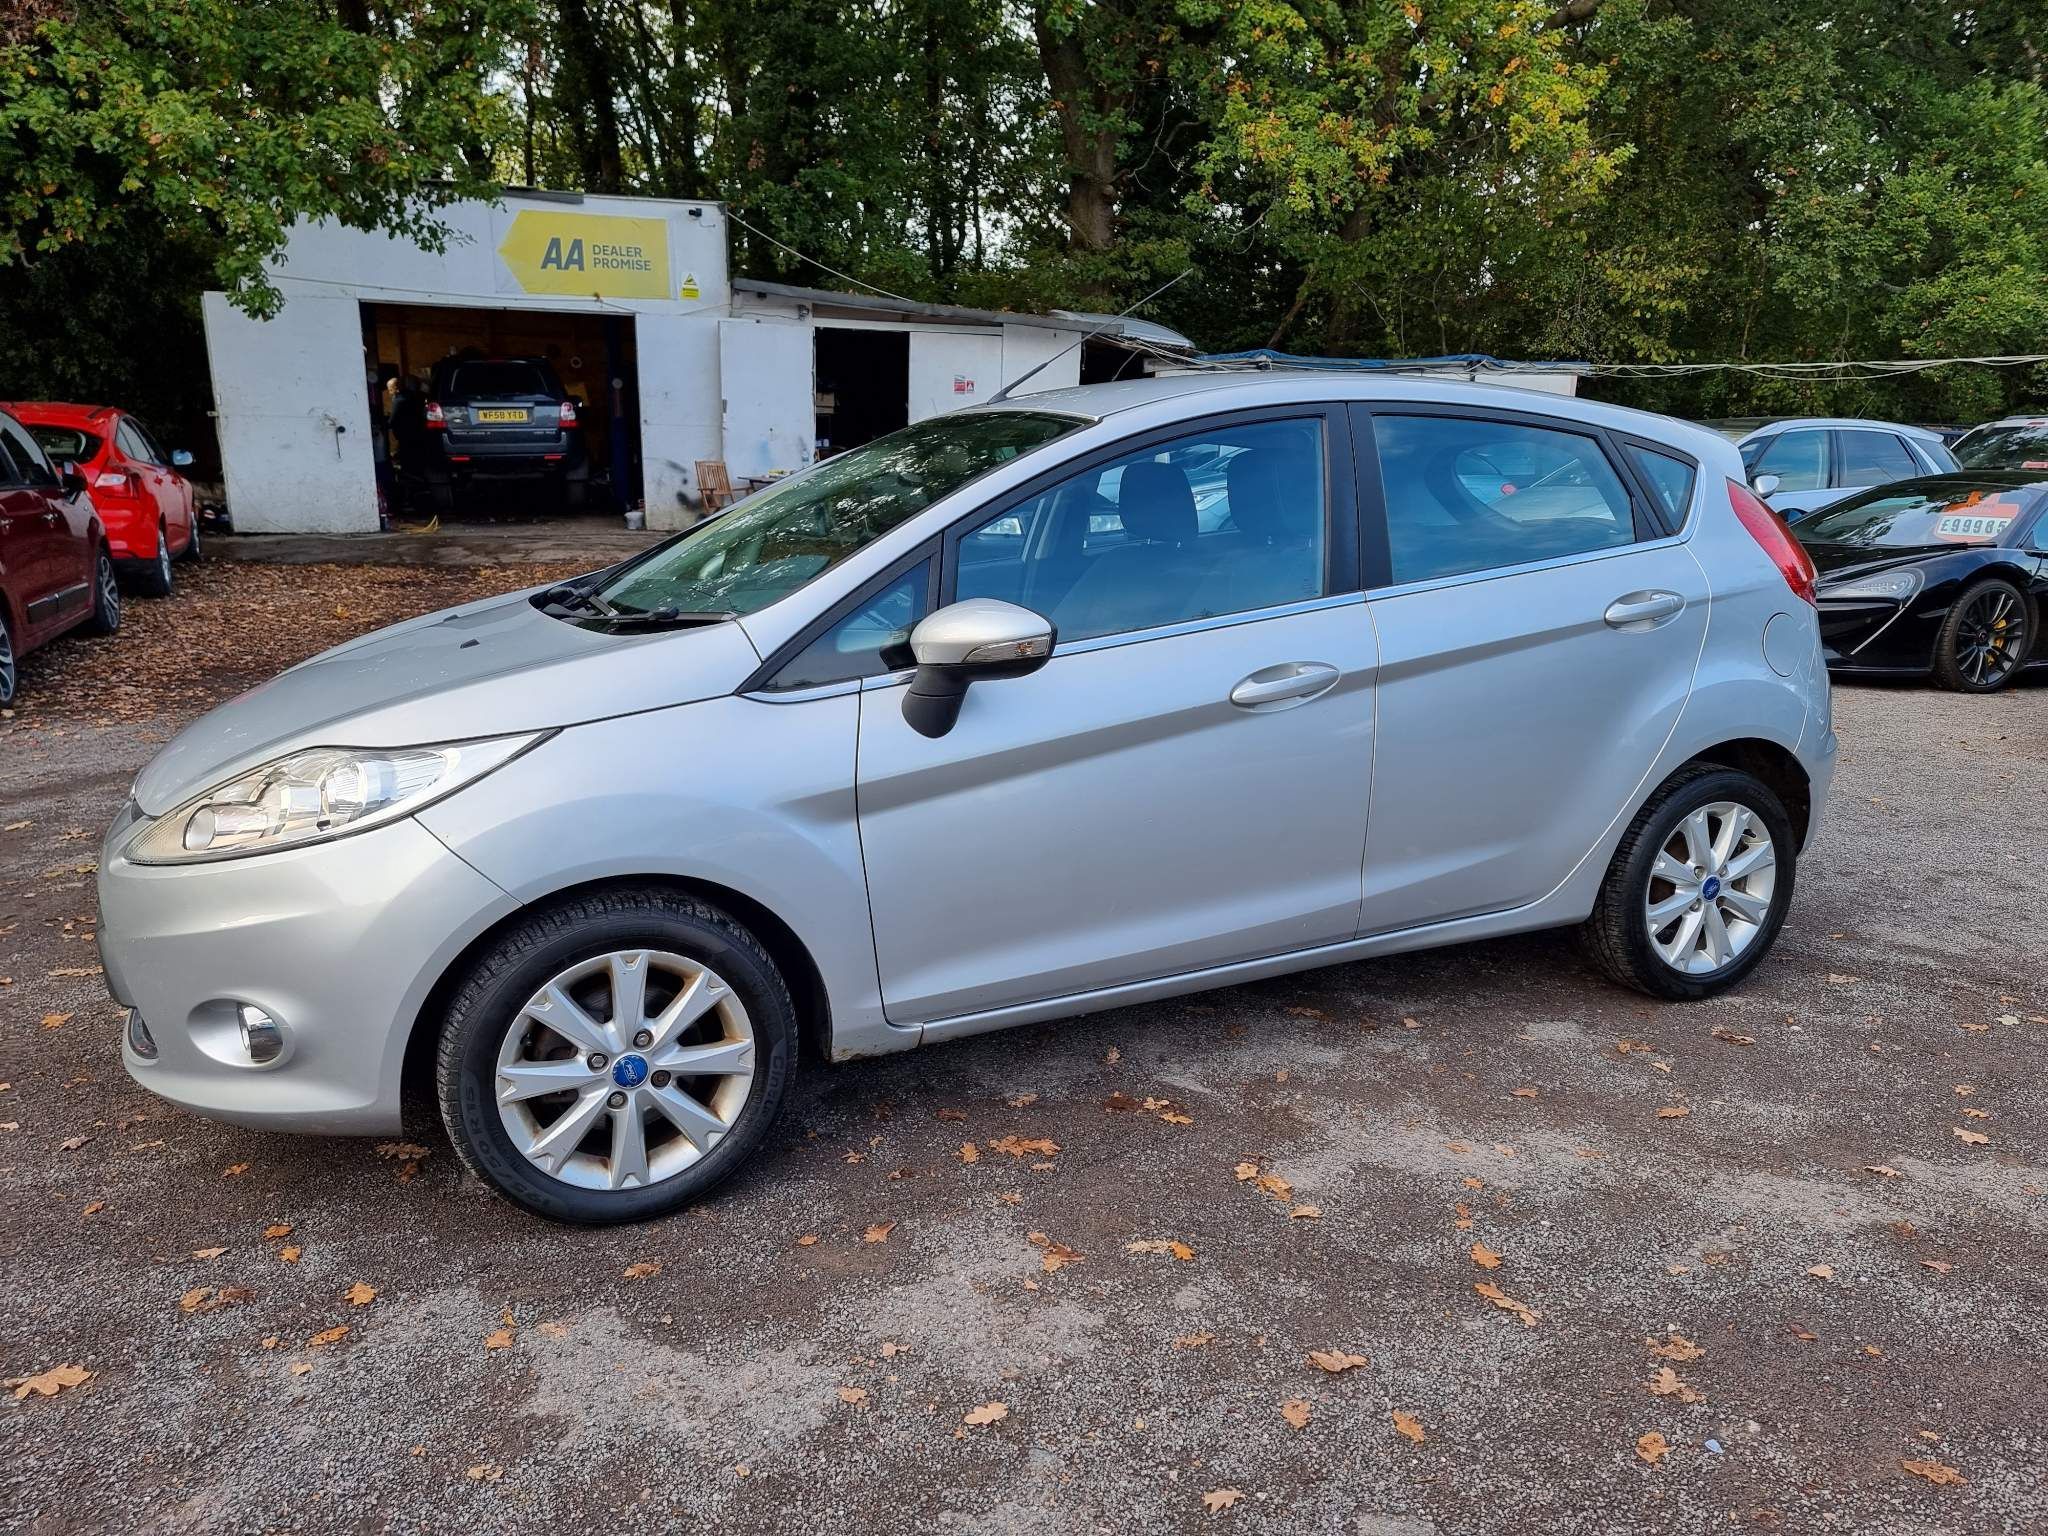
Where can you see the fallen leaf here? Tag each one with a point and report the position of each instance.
(1295, 1412)
(853, 1396)
(1275, 1186)
(1485, 1257)
(1407, 1424)
(1836, 979)
(56, 1020)
(327, 1336)
(1307, 1213)
(953, 1114)
(1673, 1112)
(1058, 1256)
(1652, 1447)
(1881, 1170)
(1964, 1090)
(1525, 1093)
(208, 1253)
(359, 1295)
(1022, 1101)
(1873, 1351)
(1219, 1499)
(498, 1338)
(291, 1253)
(72, 1143)
(1822, 1272)
(57, 1378)
(641, 1269)
(1025, 1146)
(969, 1152)
(987, 1413)
(1933, 1471)
(1193, 1340)
(1411, 1023)
(234, 1170)
(879, 1232)
(1939, 1266)
(1246, 1171)
(278, 1229)
(1178, 1249)
(1730, 1037)
(1802, 1333)
(553, 1330)
(300, 1367)
(1977, 1114)
(94, 1209)
(1335, 1361)
(271, 1342)
(808, 1240)
(1175, 1117)
(891, 1349)
(1969, 1138)
(74, 970)
(1506, 1303)
(484, 1472)
(1667, 1384)
(1112, 1056)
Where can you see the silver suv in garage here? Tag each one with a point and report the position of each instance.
(985, 722)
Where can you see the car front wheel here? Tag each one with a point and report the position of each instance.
(615, 1057)
(1698, 890)
(1983, 642)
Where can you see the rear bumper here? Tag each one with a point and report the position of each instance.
(131, 530)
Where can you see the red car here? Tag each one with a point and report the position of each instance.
(55, 569)
(150, 513)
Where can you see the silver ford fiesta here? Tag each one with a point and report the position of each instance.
(1042, 707)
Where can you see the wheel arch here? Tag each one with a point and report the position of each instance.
(1776, 766)
(789, 952)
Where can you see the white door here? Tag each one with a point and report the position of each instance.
(949, 369)
(765, 375)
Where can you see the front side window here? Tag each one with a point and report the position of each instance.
(31, 468)
(1798, 459)
(1875, 458)
(774, 542)
(1471, 495)
(1228, 520)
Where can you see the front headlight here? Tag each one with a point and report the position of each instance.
(317, 794)
(1894, 585)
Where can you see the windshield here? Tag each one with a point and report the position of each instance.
(65, 444)
(773, 542)
(1908, 518)
(2022, 446)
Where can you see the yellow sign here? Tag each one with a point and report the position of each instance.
(689, 290)
(586, 253)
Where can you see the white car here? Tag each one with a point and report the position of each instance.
(1815, 461)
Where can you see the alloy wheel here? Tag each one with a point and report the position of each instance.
(8, 675)
(625, 1069)
(109, 592)
(1991, 636)
(163, 556)
(1710, 888)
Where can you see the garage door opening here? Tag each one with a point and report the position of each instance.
(863, 386)
(494, 414)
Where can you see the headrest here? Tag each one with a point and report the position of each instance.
(1274, 493)
(1155, 502)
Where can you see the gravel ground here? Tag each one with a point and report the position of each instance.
(1804, 1282)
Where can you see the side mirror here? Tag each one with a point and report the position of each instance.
(976, 640)
(181, 458)
(69, 478)
(1766, 486)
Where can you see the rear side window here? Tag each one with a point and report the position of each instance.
(1472, 495)
(1798, 459)
(1670, 480)
(1875, 458)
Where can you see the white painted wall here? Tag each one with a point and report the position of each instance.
(292, 406)
(1026, 346)
(765, 367)
(951, 367)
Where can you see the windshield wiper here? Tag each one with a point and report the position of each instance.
(669, 615)
(574, 599)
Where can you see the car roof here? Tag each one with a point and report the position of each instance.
(1961, 483)
(51, 413)
(1251, 389)
(1923, 434)
(2012, 421)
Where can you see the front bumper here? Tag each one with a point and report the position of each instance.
(340, 943)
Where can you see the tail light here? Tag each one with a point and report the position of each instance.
(1771, 534)
(437, 419)
(568, 413)
(115, 482)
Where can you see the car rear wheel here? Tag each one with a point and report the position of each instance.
(10, 673)
(192, 544)
(106, 596)
(1697, 892)
(1984, 640)
(154, 579)
(617, 1056)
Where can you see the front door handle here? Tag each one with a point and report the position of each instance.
(1643, 610)
(1292, 682)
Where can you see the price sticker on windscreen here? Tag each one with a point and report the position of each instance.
(1974, 521)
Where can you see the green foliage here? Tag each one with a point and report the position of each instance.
(1627, 180)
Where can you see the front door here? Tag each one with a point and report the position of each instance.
(1184, 784)
(1537, 643)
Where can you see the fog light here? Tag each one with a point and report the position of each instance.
(261, 1037)
(140, 1041)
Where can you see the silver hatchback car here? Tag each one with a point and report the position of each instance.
(1046, 706)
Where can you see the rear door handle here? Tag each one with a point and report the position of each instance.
(1291, 682)
(1643, 610)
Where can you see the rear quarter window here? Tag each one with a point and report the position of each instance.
(1671, 480)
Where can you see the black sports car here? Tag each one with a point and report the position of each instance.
(1945, 575)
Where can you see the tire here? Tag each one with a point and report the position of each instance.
(106, 596)
(192, 544)
(10, 666)
(155, 579)
(441, 493)
(490, 1031)
(1618, 936)
(1985, 639)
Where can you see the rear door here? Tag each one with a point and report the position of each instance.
(36, 547)
(1865, 457)
(1539, 626)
